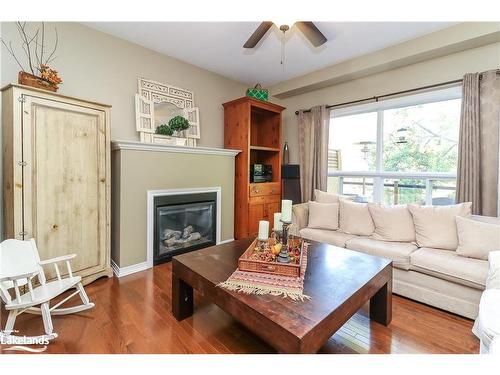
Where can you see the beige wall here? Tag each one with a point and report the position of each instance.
(103, 68)
(437, 70)
(135, 172)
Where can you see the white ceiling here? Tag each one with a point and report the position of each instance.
(217, 46)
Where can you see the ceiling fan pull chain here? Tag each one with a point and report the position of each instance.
(283, 52)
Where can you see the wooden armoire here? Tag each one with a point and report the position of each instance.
(56, 176)
(254, 127)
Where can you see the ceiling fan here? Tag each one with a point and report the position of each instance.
(309, 29)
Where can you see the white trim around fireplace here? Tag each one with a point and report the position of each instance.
(150, 207)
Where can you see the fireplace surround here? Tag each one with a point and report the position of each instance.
(183, 223)
(181, 220)
(139, 170)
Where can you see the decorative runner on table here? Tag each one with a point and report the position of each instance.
(263, 283)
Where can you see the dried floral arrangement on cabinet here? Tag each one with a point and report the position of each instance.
(39, 74)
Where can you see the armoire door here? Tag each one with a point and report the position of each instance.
(65, 182)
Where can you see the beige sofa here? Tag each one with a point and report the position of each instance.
(439, 278)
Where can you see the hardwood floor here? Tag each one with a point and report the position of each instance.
(132, 315)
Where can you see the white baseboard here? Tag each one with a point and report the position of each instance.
(124, 271)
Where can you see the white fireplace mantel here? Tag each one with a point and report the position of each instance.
(139, 146)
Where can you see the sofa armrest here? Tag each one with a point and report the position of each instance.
(300, 215)
(493, 281)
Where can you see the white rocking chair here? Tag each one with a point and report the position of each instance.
(19, 265)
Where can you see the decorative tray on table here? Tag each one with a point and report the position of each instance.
(262, 256)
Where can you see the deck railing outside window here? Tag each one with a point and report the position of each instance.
(435, 189)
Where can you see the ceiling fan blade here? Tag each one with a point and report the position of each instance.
(312, 33)
(258, 34)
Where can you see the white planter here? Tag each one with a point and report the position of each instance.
(165, 140)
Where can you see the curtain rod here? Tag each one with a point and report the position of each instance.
(376, 98)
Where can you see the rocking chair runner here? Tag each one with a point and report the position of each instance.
(19, 265)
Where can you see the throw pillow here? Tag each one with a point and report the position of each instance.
(324, 197)
(300, 215)
(323, 216)
(477, 239)
(355, 218)
(392, 223)
(435, 225)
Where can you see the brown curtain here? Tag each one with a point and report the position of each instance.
(469, 145)
(489, 118)
(477, 176)
(313, 150)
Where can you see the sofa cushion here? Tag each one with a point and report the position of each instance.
(323, 216)
(398, 252)
(486, 219)
(435, 226)
(476, 239)
(326, 236)
(450, 266)
(324, 197)
(392, 223)
(355, 218)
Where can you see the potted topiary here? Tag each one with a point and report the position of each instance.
(178, 124)
(164, 129)
(174, 130)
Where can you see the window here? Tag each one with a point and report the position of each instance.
(396, 151)
(353, 134)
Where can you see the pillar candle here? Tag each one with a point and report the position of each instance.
(286, 210)
(278, 225)
(263, 230)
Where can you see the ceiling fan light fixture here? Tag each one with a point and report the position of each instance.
(284, 22)
(308, 28)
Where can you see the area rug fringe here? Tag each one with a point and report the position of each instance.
(261, 290)
(269, 284)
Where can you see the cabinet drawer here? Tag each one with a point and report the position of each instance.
(269, 188)
(265, 199)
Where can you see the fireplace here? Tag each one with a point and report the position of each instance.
(183, 222)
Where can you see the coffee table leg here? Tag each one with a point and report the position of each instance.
(182, 298)
(381, 305)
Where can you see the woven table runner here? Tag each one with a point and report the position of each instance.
(263, 283)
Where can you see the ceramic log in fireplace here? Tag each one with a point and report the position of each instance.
(183, 223)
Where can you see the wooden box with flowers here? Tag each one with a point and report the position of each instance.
(262, 257)
(38, 73)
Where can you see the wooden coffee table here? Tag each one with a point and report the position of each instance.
(339, 282)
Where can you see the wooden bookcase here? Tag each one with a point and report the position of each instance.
(254, 127)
